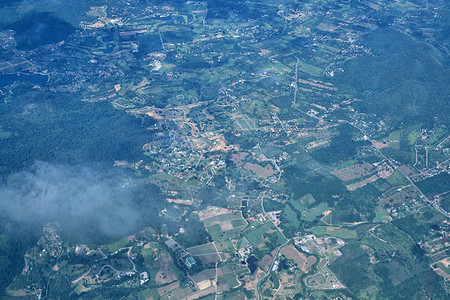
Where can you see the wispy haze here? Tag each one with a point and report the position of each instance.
(78, 198)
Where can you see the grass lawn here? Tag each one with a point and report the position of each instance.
(119, 244)
(291, 215)
(238, 223)
(148, 294)
(397, 179)
(444, 268)
(255, 237)
(310, 215)
(340, 232)
(381, 216)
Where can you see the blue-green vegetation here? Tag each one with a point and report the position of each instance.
(60, 128)
(35, 30)
(405, 79)
(8, 79)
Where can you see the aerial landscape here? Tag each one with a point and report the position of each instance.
(224, 149)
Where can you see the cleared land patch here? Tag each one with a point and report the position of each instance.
(340, 232)
(362, 183)
(310, 215)
(212, 211)
(165, 273)
(255, 237)
(354, 172)
(207, 253)
(237, 158)
(168, 288)
(224, 226)
(303, 262)
(400, 196)
(307, 200)
(264, 172)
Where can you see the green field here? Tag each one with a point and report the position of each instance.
(397, 179)
(215, 231)
(202, 249)
(229, 279)
(147, 253)
(291, 215)
(394, 135)
(310, 215)
(380, 216)
(413, 136)
(297, 204)
(319, 230)
(148, 294)
(310, 69)
(444, 268)
(340, 232)
(118, 245)
(238, 223)
(222, 218)
(437, 136)
(306, 200)
(255, 237)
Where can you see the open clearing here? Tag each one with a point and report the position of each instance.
(165, 273)
(264, 172)
(225, 226)
(340, 232)
(207, 253)
(354, 172)
(303, 262)
(212, 211)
